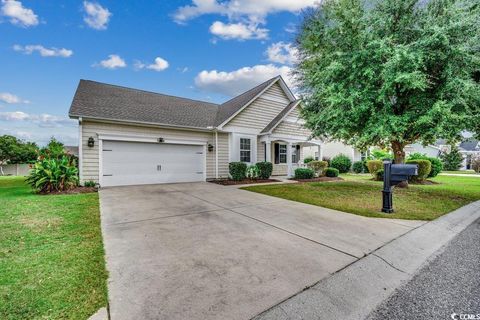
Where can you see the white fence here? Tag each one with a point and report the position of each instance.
(20, 169)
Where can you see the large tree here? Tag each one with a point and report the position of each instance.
(14, 150)
(391, 72)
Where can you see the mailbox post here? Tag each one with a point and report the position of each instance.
(394, 174)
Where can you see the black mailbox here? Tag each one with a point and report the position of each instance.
(394, 174)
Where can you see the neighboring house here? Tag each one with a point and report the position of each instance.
(433, 151)
(469, 148)
(331, 149)
(71, 150)
(130, 136)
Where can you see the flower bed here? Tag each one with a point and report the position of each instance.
(228, 182)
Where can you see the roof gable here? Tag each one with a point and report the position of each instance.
(230, 109)
(280, 117)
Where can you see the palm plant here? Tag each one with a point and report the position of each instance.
(49, 175)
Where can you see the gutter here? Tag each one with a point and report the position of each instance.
(154, 124)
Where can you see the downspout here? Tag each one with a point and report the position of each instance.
(80, 153)
(216, 154)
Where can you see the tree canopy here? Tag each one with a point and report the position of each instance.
(390, 73)
(14, 150)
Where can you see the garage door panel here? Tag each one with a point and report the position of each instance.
(130, 163)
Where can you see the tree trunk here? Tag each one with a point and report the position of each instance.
(399, 158)
(398, 152)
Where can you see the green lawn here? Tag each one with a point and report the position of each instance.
(51, 254)
(359, 195)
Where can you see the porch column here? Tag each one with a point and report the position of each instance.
(268, 151)
(289, 160)
(320, 155)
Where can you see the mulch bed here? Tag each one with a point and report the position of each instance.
(319, 179)
(75, 190)
(226, 182)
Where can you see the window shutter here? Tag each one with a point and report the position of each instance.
(277, 153)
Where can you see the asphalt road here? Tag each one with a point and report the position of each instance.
(446, 288)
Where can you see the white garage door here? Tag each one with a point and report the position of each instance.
(130, 163)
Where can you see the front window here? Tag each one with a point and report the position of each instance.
(245, 150)
(282, 153)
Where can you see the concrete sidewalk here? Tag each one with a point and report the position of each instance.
(205, 251)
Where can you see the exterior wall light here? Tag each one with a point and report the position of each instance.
(210, 147)
(91, 142)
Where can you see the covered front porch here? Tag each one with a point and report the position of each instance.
(285, 153)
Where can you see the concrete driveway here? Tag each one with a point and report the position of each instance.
(204, 251)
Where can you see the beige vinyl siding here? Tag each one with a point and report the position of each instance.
(260, 112)
(90, 161)
(223, 154)
(276, 92)
(280, 170)
(260, 151)
(292, 128)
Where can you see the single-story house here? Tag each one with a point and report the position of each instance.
(331, 149)
(469, 148)
(129, 136)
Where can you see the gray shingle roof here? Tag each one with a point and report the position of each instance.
(228, 109)
(470, 145)
(103, 101)
(109, 102)
(279, 117)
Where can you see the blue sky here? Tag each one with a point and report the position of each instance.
(201, 49)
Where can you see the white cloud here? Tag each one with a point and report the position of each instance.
(283, 53)
(160, 64)
(42, 120)
(114, 61)
(11, 98)
(18, 14)
(238, 81)
(255, 10)
(240, 31)
(44, 52)
(96, 17)
(290, 28)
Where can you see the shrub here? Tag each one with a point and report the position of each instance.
(424, 168)
(332, 172)
(379, 175)
(374, 165)
(437, 165)
(304, 173)
(358, 166)
(237, 170)
(253, 172)
(452, 161)
(475, 164)
(264, 169)
(327, 159)
(378, 154)
(318, 166)
(308, 159)
(48, 175)
(89, 184)
(342, 163)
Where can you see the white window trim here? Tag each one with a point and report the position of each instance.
(234, 147)
(249, 149)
